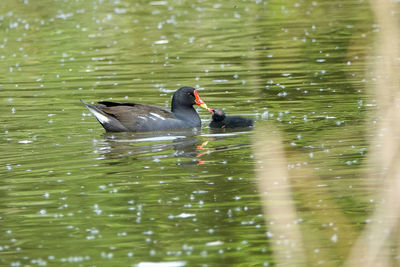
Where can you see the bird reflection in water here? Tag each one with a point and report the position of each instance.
(153, 146)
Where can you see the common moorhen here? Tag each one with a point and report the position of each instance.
(133, 117)
(220, 120)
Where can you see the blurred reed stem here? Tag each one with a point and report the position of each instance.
(373, 248)
(278, 205)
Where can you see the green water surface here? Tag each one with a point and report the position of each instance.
(73, 195)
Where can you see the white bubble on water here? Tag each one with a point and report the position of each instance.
(42, 212)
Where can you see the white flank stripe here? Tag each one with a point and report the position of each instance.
(157, 115)
(102, 118)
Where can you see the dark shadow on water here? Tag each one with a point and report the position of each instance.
(230, 130)
(189, 144)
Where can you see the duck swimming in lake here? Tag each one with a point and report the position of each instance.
(133, 117)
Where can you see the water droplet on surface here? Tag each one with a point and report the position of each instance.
(334, 238)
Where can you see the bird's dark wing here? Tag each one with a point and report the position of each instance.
(136, 117)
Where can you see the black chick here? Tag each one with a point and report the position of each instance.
(220, 120)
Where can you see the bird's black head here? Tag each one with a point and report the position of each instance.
(185, 97)
(218, 115)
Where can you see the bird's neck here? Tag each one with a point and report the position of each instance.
(188, 114)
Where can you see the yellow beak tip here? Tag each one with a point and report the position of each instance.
(204, 106)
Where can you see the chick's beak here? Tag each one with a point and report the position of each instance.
(199, 101)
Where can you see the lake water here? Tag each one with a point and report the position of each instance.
(74, 195)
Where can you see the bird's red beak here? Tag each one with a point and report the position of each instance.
(199, 101)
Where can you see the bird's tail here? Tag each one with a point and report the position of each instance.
(109, 122)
